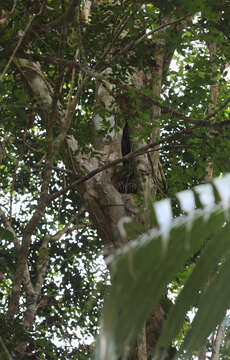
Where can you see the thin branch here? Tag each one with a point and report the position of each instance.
(67, 228)
(26, 276)
(33, 222)
(141, 344)
(66, 171)
(73, 105)
(214, 91)
(30, 147)
(169, 110)
(16, 167)
(148, 100)
(61, 199)
(111, 44)
(41, 269)
(9, 227)
(33, 293)
(42, 265)
(5, 349)
(202, 353)
(218, 109)
(51, 60)
(80, 42)
(120, 84)
(129, 156)
(13, 8)
(154, 146)
(61, 73)
(22, 35)
(6, 14)
(52, 147)
(145, 35)
(218, 341)
(70, 93)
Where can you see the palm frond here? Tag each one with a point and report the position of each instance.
(142, 270)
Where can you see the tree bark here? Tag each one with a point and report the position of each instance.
(112, 195)
(213, 94)
(218, 340)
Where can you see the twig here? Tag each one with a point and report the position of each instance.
(33, 222)
(17, 162)
(31, 18)
(22, 35)
(154, 146)
(145, 35)
(61, 199)
(13, 8)
(70, 93)
(115, 37)
(75, 100)
(80, 41)
(9, 227)
(67, 171)
(61, 73)
(215, 111)
(67, 228)
(30, 147)
(149, 100)
(42, 267)
(5, 349)
(122, 85)
(218, 340)
(33, 292)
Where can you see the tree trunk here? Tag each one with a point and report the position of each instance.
(112, 194)
(213, 94)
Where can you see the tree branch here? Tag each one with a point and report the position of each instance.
(145, 35)
(120, 84)
(32, 224)
(9, 227)
(5, 349)
(148, 100)
(217, 341)
(22, 35)
(67, 228)
(154, 146)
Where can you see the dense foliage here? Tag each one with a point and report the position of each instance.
(164, 250)
(55, 56)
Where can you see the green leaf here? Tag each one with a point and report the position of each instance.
(196, 282)
(210, 312)
(6, 235)
(141, 271)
